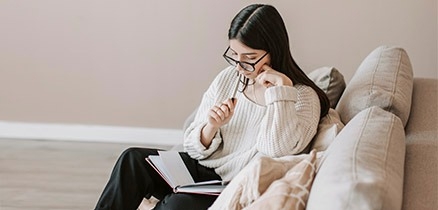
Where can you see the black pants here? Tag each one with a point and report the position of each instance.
(133, 179)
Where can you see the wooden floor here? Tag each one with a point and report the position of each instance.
(61, 175)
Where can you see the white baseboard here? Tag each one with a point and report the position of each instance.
(90, 133)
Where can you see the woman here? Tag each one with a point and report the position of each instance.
(275, 113)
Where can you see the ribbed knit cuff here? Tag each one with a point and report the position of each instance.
(200, 148)
(281, 93)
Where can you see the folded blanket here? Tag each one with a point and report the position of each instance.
(271, 183)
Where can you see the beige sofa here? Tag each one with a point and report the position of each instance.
(420, 190)
(386, 156)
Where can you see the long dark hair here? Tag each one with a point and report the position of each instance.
(261, 27)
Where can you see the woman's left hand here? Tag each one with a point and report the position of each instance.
(269, 77)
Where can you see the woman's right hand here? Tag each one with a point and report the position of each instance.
(221, 114)
(217, 117)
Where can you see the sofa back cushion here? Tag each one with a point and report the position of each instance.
(363, 168)
(384, 79)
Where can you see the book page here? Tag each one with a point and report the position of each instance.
(176, 168)
(210, 182)
(213, 189)
(156, 162)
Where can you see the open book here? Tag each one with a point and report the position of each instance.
(171, 167)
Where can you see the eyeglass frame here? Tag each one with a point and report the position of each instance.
(228, 58)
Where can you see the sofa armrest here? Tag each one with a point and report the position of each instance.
(420, 182)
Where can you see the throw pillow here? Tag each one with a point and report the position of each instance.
(364, 167)
(384, 79)
(328, 129)
(331, 81)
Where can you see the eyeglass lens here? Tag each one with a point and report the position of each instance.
(246, 66)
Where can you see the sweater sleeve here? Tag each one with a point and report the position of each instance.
(290, 122)
(192, 136)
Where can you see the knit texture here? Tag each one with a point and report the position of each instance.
(285, 126)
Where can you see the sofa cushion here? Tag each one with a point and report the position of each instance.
(371, 148)
(331, 81)
(383, 79)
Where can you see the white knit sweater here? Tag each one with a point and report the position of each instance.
(284, 126)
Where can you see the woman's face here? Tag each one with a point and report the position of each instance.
(242, 53)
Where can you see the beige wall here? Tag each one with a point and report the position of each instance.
(146, 63)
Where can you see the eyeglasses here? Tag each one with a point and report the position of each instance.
(245, 65)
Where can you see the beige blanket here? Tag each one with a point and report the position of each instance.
(271, 183)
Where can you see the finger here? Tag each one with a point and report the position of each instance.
(266, 67)
(232, 104)
(221, 114)
(233, 101)
(263, 80)
(225, 109)
(214, 116)
(229, 103)
(268, 84)
(217, 110)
